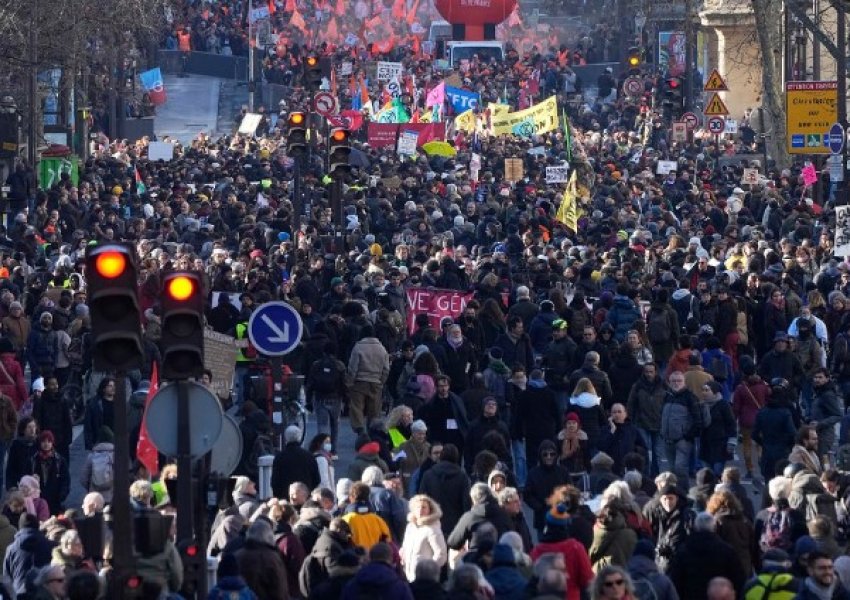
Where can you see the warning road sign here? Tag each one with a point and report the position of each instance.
(716, 106)
(715, 83)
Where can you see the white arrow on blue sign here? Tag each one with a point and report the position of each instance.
(275, 328)
(836, 138)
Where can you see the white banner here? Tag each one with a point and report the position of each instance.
(842, 231)
(665, 166)
(560, 174)
(160, 151)
(407, 142)
(388, 70)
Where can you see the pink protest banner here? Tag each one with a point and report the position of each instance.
(435, 303)
(810, 175)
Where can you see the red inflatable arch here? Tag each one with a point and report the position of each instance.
(478, 17)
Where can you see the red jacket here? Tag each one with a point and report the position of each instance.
(12, 380)
(749, 397)
(579, 571)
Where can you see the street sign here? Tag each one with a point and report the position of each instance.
(715, 83)
(811, 107)
(633, 86)
(691, 120)
(275, 328)
(836, 138)
(205, 415)
(731, 126)
(680, 132)
(716, 125)
(326, 104)
(227, 451)
(715, 106)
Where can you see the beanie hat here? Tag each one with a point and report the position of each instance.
(418, 425)
(227, 566)
(46, 435)
(496, 353)
(361, 441)
(558, 516)
(804, 545)
(573, 416)
(370, 448)
(503, 555)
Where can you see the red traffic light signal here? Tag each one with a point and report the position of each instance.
(340, 135)
(339, 151)
(111, 278)
(673, 83)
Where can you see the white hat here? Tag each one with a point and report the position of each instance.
(738, 190)
(38, 385)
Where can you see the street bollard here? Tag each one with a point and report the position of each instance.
(212, 568)
(264, 485)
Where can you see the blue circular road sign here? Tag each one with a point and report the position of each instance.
(836, 138)
(275, 328)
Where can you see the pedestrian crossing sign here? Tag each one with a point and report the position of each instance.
(716, 106)
(715, 83)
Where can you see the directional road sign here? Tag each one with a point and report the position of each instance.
(716, 125)
(275, 328)
(326, 104)
(836, 138)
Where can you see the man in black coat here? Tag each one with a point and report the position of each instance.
(292, 464)
(620, 438)
(449, 486)
(672, 522)
(542, 479)
(701, 558)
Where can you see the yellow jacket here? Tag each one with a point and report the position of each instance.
(367, 528)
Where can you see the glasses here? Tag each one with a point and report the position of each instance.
(613, 582)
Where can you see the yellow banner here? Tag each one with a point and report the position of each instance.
(568, 211)
(540, 118)
(497, 109)
(465, 121)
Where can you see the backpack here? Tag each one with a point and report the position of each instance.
(657, 328)
(718, 368)
(777, 531)
(101, 470)
(326, 376)
(75, 351)
(675, 421)
(644, 589)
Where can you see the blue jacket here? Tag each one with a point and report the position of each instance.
(622, 316)
(540, 330)
(507, 583)
(30, 549)
(380, 581)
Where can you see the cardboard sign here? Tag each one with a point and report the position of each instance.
(810, 175)
(387, 71)
(160, 151)
(680, 132)
(750, 177)
(513, 169)
(665, 166)
(220, 358)
(731, 126)
(560, 174)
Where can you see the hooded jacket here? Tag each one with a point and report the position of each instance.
(536, 415)
(369, 361)
(29, 549)
(644, 568)
(541, 480)
(613, 542)
(592, 415)
(449, 486)
(488, 511)
(378, 580)
(644, 404)
(423, 538)
(317, 565)
(622, 316)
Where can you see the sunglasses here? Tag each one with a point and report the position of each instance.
(613, 582)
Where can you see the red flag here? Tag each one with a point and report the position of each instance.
(145, 450)
(272, 7)
(355, 119)
(429, 133)
(411, 14)
(340, 8)
(398, 10)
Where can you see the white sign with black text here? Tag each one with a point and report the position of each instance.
(841, 246)
(388, 70)
(559, 174)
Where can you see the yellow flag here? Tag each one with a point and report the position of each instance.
(568, 211)
(465, 121)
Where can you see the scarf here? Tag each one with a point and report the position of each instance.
(824, 593)
(499, 367)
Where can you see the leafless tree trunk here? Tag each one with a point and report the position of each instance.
(768, 15)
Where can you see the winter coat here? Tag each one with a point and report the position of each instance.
(448, 485)
(378, 580)
(458, 364)
(692, 427)
(536, 415)
(29, 549)
(623, 372)
(19, 462)
(292, 464)
(559, 358)
(720, 432)
(613, 543)
(479, 428)
(369, 361)
(261, 565)
(361, 462)
(423, 539)
(700, 559)
(7, 534)
(624, 439)
(599, 379)
(669, 529)
(663, 349)
(539, 484)
(579, 570)
(52, 472)
(749, 398)
(622, 316)
(320, 560)
(426, 589)
(737, 531)
(231, 588)
(526, 310)
(86, 475)
(644, 568)
(488, 511)
(8, 419)
(12, 382)
(54, 415)
(592, 416)
(516, 350)
(436, 413)
(781, 364)
(644, 404)
(774, 431)
(679, 361)
(540, 331)
(827, 410)
(506, 580)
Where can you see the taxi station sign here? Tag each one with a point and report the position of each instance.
(811, 107)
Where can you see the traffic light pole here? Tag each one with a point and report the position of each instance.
(297, 200)
(185, 507)
(123, 558)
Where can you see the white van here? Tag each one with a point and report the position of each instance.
(458, 51)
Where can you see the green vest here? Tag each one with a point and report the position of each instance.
(242, 334)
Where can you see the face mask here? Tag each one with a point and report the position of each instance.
(327, 446)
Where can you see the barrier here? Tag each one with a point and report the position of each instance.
(264, 485)
(206, 63)
(212, 568)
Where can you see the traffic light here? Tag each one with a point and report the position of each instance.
(339, 151)
(634, 58)
(674, 93)
(296, 137)
(112, 283)
(182, 342)
(312, 73)
(194, 567)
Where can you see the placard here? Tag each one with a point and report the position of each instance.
(540, 118)
(841, 246)
(160, 151)
(249, 124)
(435, 303)
(407, 142)
(750, 177)
(731, 126)
(388, 70)
(680, 132)
(665, 166)
(346, 68)
(513, 169)
(220, 358)
(560, 174)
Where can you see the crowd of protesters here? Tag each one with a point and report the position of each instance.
(629, 382)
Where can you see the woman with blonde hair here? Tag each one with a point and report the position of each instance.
(612, 583)
(423, 537)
